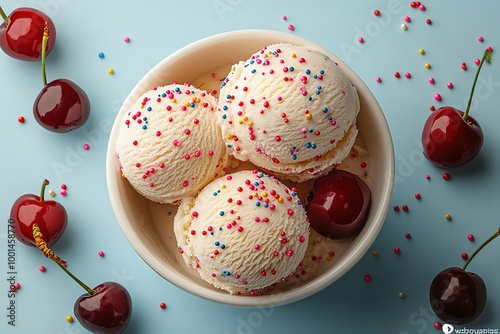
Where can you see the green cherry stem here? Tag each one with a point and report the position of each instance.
(493, 236)
(4, 16)
(45, 38)
(486, 57)
(77, 280)
(42, 191)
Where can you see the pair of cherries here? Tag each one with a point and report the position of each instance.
(107, 308)
(62, 105)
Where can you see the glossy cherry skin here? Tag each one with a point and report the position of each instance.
(21, 37)
(450, 141)
(457, 296)
(50, 216)
(107, 311)
(61, 106)
(338, 204)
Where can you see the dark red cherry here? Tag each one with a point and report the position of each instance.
(449, 140)
(61, 106)
(457, 296)
(107, 310)
(22, 31)
(338, 204)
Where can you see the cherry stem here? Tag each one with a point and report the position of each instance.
(487, 57)
(4, 16)
(493, 236)
(42, 191)
(77, 280)
(45, 38)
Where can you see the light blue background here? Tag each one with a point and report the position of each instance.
(158, 28)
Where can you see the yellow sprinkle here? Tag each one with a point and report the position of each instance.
(111, 71)
(245, 118)
(308, 116)
(250, 123)
(294, 55)
(447, 216)
(427, 65)
(264, 194)
(197, 100)
(229, 136)
(174, 100)
(280, 200)
(401, 295)
(255, 194)
(404, 26)
(187, 104)
(240, 121)
(223, 186)
(375, 253)
(69, 318)
(123, 176)
(329, 258)
(52, 193)
(421, 51)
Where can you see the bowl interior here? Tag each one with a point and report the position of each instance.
(148, 226)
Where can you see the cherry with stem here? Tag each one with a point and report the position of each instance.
(61, 106)
(107, 308)
(458, 296)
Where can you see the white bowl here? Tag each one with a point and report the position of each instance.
(148, 226)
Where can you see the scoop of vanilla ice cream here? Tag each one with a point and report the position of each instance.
(243, 232)
(290, 110)
(169, 144)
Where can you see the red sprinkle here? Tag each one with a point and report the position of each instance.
(21, 119)
(367, 278)
(465, 256)
(470, 237)
(397, 250)
(446, 176)
(405, 208)
(163, 305)
(396, 208)
(418, 196)
(408, 236)
(376, 12)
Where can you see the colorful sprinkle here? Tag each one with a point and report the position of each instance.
(376, 12)
(437, 97)
(470, 237)
(449, 85)
(101, 55)
(291, 27)
(437, 325)
(421, 51)
(405, 208)
(428, 21)
(69, 318)
(401, 295)
(86, 147)
(111, 71)
(52, 193)
(446, 176)
(375, 253)
(367, 278)
(126, 39)
(427, 65)
(465, 256)
(163, 305)
(418, 196)
(447, 216)
(378, 79)
(101, 253)
(480, 39)
(42, 269)
(404, 26)
(397, 250)
(432, 81)
(21, 119)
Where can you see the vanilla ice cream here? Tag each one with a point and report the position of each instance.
(169, 143)
(243, 232)
(290, 110)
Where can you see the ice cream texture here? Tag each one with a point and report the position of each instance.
(289, 110)
(170, 145)
(243, 232)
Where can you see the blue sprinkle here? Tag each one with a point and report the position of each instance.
(308, 145)
(101, 55)
(254, 70)
(294, 157)
(256, 183)
(321, 72)
(220, 228)
(224, 116)
(222, 246)
(144, 126)
(163, 94)
(221, 213)
(325, 109)
(217, 243)
(308, 71)
(215, 193)
(310, 98)
(330, 118)
(266, 205)
(318, 92)
(225, 272)
(315, 76)
(149, 109)
(291, 69)
(177, 89)
(257, 203)
(313, 146)
(228, 96)
(192, 105)
(212, 233)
